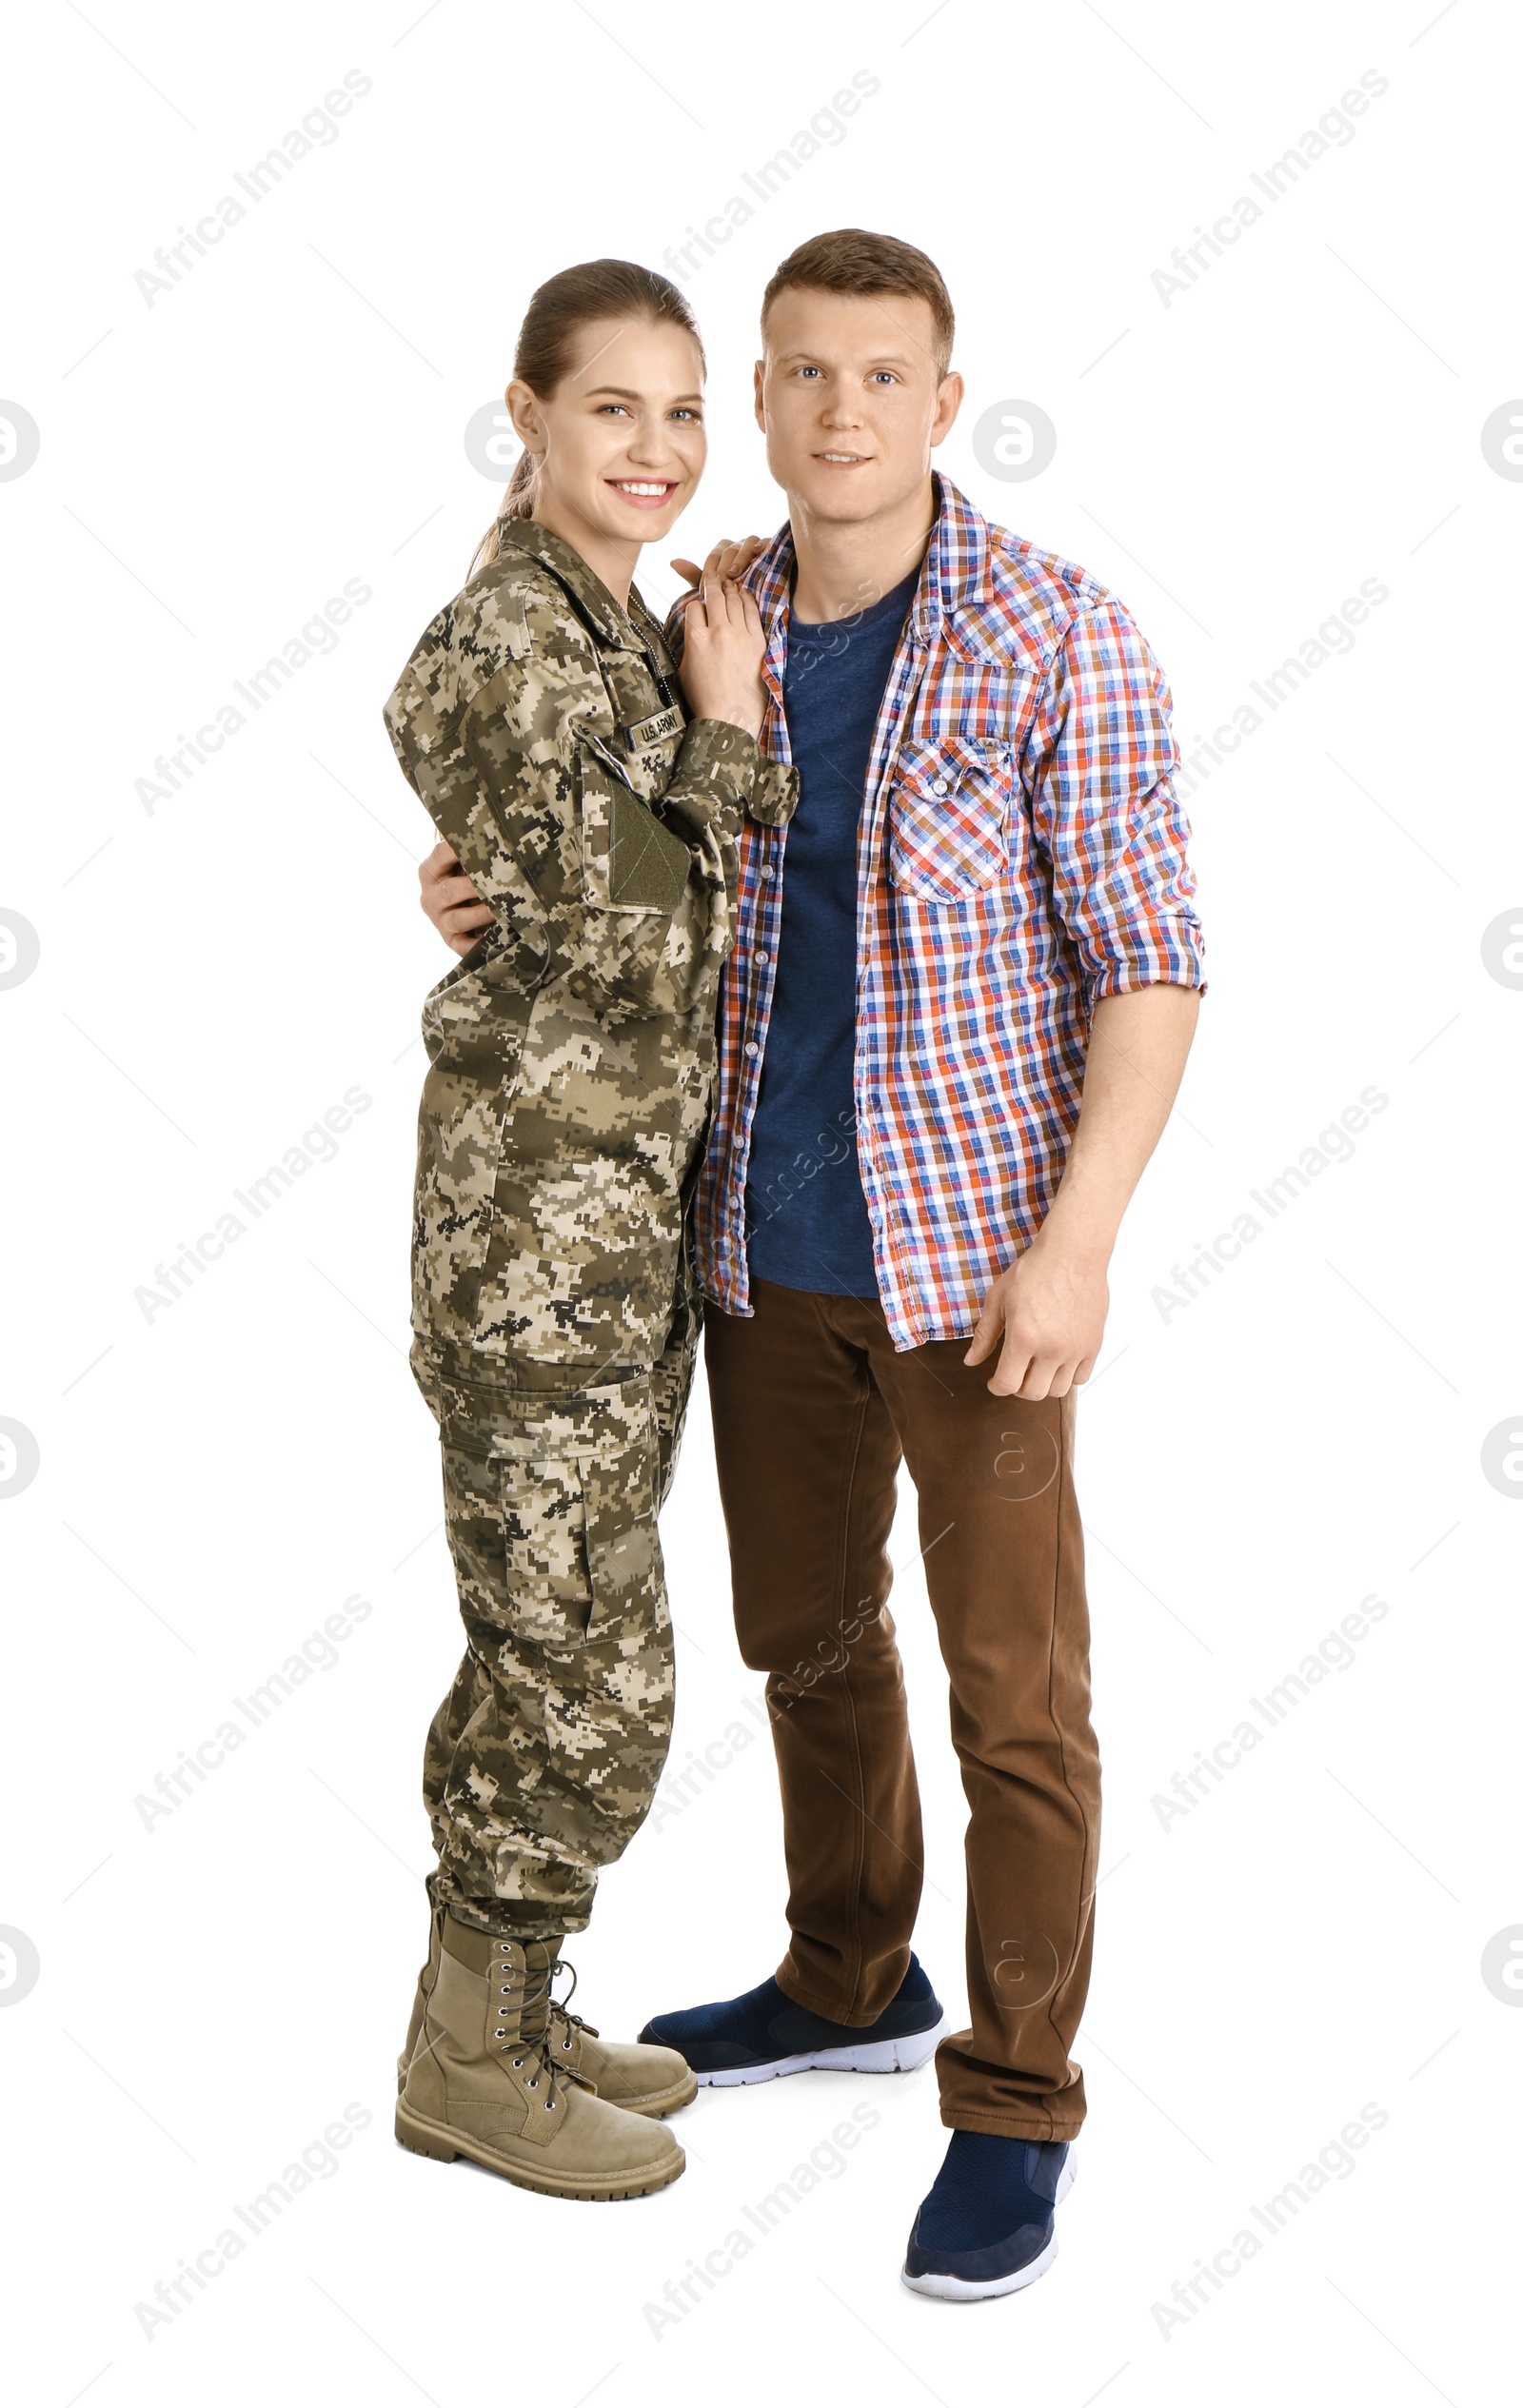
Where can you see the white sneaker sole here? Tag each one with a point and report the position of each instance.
(951, 2286)
(868, 2057)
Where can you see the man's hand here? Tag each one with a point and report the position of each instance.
(451, 901)
(1047, 1314)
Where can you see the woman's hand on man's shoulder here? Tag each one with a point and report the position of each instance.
(726, 560)
(722, 643)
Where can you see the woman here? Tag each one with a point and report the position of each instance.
(570, 1056)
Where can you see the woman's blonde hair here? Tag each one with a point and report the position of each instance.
(544, 353)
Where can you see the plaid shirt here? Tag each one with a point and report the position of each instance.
(1021, 855)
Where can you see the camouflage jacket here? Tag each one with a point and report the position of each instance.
(571, 1051)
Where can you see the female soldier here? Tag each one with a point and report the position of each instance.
(561, 1123)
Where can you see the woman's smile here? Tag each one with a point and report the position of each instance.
(647, 493)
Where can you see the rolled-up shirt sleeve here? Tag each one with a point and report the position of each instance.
(1097, 767)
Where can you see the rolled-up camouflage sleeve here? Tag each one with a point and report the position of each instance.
(494, 722)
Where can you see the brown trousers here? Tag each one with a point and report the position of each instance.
(813, 1410)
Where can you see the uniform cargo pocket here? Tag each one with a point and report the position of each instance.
(548, 1590)
(948, 817)
(576, 1485)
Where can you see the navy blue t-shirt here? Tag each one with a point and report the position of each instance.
(805, 1214)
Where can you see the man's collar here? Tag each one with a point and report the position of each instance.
(597, 605)
(770, 574)
(964, 592)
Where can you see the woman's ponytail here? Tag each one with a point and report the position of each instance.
(556, 314)
(517, 503)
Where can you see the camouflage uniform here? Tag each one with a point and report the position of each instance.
(563, 1112)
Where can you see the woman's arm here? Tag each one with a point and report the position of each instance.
(492, 722)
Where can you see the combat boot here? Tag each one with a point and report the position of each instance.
(646, 2079)
(427, 1975)
(482, 2083)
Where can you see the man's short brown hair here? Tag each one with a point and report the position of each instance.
(851, 261)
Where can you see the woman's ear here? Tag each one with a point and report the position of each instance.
(524, 412)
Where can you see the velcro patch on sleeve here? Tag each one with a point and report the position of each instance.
(648, 864)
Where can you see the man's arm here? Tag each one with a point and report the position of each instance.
(1098, 764)
(1046, 1314)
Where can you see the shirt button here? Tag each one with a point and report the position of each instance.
(939, 786)
(761, 958)
(753, 1049)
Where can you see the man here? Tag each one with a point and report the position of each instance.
(962, 990)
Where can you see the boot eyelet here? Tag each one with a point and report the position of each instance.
(534, 2082)
(565, 2043)
(500, 2032)
(517, 2061)
(549, 2107)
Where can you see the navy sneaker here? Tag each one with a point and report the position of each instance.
(985, 2225)
(763, 2034)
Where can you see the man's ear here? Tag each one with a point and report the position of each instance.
(761, 414)
(948, 402)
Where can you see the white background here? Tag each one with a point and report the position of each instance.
(216, 1480)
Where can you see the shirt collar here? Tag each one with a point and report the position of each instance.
(966, 592)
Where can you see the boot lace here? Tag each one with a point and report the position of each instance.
(539, 1996)
(559, 2008)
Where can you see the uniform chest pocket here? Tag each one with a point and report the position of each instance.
(630, 861)
(948, 818)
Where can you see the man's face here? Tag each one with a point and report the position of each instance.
(851, 400)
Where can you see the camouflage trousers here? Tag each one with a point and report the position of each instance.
(541, 1763)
